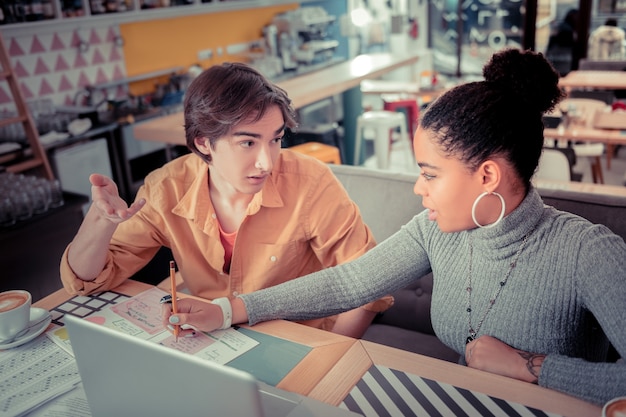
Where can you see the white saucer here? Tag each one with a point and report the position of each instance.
(39, 320)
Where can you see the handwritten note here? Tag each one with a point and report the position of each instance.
(144, 311)
(140, 316)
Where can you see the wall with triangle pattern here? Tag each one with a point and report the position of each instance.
(52, 66)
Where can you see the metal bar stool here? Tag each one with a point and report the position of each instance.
(395, 102)
(384, 124)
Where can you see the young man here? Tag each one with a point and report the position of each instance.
(239, 213)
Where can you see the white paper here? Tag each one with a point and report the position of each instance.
(140, 316)
(33, 374)
(70, 404)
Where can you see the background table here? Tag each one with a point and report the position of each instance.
(587, 134)
(600, 80)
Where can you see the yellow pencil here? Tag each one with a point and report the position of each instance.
(173, 285)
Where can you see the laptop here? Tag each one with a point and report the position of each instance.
(124, 375)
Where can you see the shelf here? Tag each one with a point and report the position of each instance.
(136, 15)
(12, 120)
(140, 77)
(25, 165)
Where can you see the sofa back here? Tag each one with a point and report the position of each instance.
(387, 201)
(609, 210)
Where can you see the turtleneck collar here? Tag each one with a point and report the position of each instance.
(513, 227)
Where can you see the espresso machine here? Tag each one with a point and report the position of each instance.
(300, 37)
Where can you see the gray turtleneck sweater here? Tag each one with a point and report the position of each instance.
(568, 272)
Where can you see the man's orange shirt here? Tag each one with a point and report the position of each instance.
(301, 221)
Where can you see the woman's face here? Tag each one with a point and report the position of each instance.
(447, 187)
(243, 159)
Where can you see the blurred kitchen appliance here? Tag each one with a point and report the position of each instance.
(270, 33)
(302, 36)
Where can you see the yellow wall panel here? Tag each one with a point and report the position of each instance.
(166, 43)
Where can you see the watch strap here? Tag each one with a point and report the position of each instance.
(227, 311)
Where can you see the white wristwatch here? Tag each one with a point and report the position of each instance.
(227, 311)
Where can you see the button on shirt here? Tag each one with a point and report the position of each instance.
(300, 222)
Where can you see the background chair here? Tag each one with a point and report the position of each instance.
(607, 96)
(553, 165)
(384, 123)
(407, 104)
(581, 111)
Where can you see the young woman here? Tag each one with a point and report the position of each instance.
(519, 287)
(239, 213)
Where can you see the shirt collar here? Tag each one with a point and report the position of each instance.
(195, 204)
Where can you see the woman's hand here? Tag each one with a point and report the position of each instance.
(108, 202)
(492, 355)
(194, 314)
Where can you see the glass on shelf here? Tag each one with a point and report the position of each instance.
(110, 6)
(19, 11)
(97, 7)
(72, 8)
(153, 4)
(13, 132)
(24, 196)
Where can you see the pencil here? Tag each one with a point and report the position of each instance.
(173, 285)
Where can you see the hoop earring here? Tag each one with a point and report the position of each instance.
(501, 212)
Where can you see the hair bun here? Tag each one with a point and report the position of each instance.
(525, 74)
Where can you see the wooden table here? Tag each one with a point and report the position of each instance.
(599, 80)
(348, 371)
(587, 134)
(336, 363)
(327, 348)
(343, 78)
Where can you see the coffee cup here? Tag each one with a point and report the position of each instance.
(615, 408)
(14, 313)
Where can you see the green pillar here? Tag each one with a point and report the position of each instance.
(352, 109)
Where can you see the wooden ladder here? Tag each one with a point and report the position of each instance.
(35, 159)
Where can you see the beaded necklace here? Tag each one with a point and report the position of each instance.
(473, 332)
